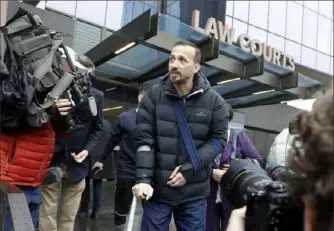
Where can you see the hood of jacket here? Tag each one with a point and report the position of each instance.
(200, 83)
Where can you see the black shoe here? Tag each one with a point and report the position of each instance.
(83, 211)
(94, 216)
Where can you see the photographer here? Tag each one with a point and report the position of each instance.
(71, 152)
(311, 171)
(17, 167)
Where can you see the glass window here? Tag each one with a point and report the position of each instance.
(308, 57)
(127, 14)
(332, 41)
(229, 8)
(323, 62)
(138, 9)
(86, 37)
(153, 8)
(257, 33)
(174, 9)
(92, 11)
(310, 20)
(324, 34)
(277, 17)
(293, 49)
(67, 7)
(115, 11)
(41, 5)
(300, 2)
(276, 41)
(331, 72)
(258, 13)
(228, 21)
(313, 5)
(294, 21)
(239, 28)
(326, 8)
(151, 3)
(241, 10)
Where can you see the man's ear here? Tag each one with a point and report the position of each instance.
(197, 67)
(310, 213)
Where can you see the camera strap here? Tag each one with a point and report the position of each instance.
(188, 147)
(234, 142)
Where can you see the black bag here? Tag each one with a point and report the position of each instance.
(33, 80)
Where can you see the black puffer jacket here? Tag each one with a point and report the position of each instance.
(207, 116)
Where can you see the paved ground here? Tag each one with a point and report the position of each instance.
(105, 221)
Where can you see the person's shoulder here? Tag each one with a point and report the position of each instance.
(215, 98)
(97, 93)
(129, 113)
(154, 89)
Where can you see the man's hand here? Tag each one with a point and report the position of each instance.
(217, 174)
(98, 165)
(176, 178)
(81, 156)
(237, 220)
(143, 191)
(64, 106)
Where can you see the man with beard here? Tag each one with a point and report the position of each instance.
(182, 127)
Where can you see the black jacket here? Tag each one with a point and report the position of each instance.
(123, 131)
(108, 171)
(83, 139)
(206, 114)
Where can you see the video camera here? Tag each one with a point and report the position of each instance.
(271, 206)
(33, 75)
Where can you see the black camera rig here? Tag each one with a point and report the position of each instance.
(271, 206)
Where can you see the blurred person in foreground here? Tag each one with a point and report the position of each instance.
(182, 127)
(311, 167)
(123, 131)
(96, 176)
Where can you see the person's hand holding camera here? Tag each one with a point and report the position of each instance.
(237, 220)
(218, 174)
(64, 106)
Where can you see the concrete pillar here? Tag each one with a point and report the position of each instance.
(3, 16)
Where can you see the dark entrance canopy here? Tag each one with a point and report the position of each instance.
(139, 52)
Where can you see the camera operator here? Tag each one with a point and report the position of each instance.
(16, 166)
(70, 155)
(310, 164)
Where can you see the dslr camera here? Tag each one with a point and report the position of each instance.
(271, 206)
(79, 93)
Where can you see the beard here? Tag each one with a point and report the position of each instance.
(177, 78)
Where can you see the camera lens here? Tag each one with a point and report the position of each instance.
(243, 178)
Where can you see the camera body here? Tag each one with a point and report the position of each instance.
(273, 209)
(79, 94)
(271, 206)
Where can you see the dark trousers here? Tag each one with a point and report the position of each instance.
(97, 194)
(187, 216)
(217, 214)
(123, 200)
(33, 196)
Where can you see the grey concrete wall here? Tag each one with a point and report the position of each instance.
(52, 20)
(3, 8)
(270, 117)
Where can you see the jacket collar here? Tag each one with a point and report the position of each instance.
(201, 83)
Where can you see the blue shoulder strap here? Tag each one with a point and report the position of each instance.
(234, 141)
(188, 147)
